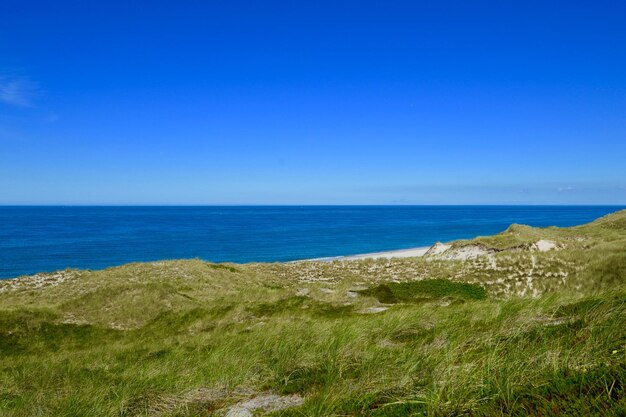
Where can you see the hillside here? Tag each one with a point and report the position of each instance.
(526, 322)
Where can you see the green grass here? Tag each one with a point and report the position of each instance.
(524, 333)
(426, 290)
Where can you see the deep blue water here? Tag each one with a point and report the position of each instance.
(36, 239)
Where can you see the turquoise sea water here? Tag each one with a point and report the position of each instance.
(37, 239)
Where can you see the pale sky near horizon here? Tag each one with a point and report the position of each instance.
(337, 102)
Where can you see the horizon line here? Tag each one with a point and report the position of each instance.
(314, 205)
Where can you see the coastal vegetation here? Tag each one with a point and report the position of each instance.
(527, 322)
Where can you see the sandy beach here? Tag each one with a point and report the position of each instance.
(400, 253)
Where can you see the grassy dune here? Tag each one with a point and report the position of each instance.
(516, 331)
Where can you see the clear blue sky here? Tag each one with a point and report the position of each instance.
(234, 102)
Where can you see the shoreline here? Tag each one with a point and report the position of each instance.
(398, 253)
(415, 252)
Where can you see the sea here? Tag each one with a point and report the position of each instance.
(47, 238)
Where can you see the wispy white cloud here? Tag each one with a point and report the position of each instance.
(17, 91)
(565, 189)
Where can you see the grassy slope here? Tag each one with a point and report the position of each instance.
(188, 337)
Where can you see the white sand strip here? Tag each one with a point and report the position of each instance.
(401, 253)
